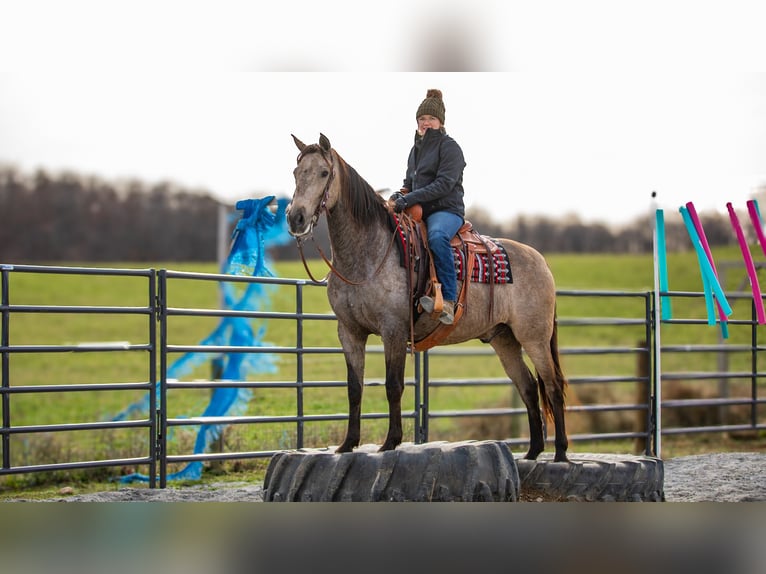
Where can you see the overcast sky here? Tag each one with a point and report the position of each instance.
(582, 108)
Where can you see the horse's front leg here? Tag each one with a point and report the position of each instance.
(396, 357)
(353, 350)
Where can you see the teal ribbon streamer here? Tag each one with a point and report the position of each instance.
(709, 280)
(662, 266)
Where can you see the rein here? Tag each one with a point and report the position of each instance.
(334, 269)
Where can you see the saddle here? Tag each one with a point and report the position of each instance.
(422, 279)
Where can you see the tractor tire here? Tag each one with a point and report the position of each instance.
(592, 478)
(433, 472)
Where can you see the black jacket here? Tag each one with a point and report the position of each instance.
(435, 174)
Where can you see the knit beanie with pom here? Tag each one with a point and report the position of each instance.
(433, 105)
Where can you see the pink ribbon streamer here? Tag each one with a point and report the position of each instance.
(757, 300)
(755, 217)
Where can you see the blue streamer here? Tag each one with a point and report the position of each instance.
(257, 226)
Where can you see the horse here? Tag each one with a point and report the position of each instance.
(367, 288)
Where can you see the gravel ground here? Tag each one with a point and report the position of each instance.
(725, 477)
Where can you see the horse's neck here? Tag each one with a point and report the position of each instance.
(356, 246)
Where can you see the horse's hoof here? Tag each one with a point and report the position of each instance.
(345, 447)
(561, 457)
(388, 445)
(532, 454)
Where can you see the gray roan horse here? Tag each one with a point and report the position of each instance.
(368, 292)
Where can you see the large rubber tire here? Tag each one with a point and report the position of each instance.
(592, 478)
(433, 472)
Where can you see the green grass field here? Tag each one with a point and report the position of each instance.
(623, 273)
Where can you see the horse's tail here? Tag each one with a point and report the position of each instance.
(558, 374)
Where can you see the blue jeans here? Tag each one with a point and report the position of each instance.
(442, 226)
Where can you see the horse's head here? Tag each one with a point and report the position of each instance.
(316, 188)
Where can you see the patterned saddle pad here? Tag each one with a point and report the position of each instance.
(481, 268)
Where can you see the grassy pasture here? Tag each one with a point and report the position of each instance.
(629, 273)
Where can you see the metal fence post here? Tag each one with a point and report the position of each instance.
(647, 371)
(299, 363)
(754, 366)
(656, 385)
(426, 407)
(161, 411)
(153, 317)
(418, 404)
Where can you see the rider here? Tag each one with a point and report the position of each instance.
(434, 179)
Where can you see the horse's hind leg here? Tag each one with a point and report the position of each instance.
(544, 356)
(508, 351)
(353, 351)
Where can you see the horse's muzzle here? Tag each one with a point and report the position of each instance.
(298, 225)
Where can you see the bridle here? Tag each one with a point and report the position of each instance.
(322, 207)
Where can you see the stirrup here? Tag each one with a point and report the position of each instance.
(448, 313)
(431, 305)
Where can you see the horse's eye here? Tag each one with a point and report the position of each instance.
(325, 173)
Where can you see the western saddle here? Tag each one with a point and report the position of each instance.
(422, 279)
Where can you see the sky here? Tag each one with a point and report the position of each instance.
(562, 109)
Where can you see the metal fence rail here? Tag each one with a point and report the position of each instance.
(161, 344)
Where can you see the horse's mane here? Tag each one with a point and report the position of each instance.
(365, 206)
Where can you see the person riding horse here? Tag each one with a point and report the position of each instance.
(434, 180)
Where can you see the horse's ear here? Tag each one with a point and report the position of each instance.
(299, 143)
(324, 143)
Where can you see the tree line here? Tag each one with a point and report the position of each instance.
(68, 217)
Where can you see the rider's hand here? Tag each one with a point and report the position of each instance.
(400, 204)
(395, 196)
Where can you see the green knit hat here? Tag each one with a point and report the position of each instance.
(433, 105)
